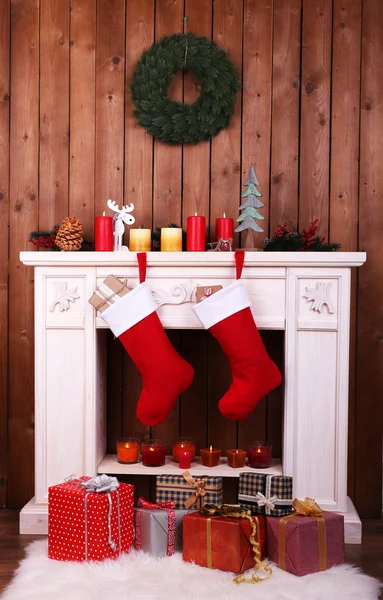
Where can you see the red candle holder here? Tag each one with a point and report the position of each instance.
(210, 456)
(185, 459)
(184, 444)
(236, 458)
(259, 456)
(153, 453)
(196, 234)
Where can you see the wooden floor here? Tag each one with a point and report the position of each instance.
(368, 556)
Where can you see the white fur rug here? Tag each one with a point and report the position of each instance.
(137, 576)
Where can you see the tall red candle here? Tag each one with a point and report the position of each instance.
(224, 228)
(103, 234)
(196, 234)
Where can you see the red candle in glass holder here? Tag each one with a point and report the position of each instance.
(259, 456)
(196, 234)
(185, 459)
(153, 453)
(103, 234)
(224, 229)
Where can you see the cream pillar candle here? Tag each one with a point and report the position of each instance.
(171, 239)
(140, 240)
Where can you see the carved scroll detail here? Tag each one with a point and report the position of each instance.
(180, 293)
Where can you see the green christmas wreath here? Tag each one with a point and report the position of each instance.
(173, 122)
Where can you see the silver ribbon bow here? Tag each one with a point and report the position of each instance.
(101, 483)
(263, 501)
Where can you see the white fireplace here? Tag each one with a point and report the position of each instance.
(305, 294)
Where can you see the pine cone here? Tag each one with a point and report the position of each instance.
(69, 235)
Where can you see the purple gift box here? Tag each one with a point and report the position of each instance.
(295, 545)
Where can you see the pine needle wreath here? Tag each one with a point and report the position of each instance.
(173, 122)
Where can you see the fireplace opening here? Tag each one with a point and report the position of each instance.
(196, 412)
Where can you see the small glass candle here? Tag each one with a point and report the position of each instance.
(140, 240)
(128, 451)
(259, 456)
(236, 458)
(184, 444)
(210, 456)
(185, 459)
(171, 239)
(153, 453)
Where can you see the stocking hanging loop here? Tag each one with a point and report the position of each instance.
(239, 260)
(141, 257)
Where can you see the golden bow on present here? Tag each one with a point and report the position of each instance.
(307, 508)
(199, 487)
(234, 511)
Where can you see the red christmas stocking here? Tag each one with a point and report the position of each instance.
(165, 375)
(228, 316)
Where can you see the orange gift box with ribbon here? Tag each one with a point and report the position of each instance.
(224, 542)
(307, 541)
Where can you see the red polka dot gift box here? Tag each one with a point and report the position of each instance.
(90, 519)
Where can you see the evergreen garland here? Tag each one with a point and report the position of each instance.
(173, 122)
(292, 240)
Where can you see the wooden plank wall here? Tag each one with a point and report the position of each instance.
(309, 114)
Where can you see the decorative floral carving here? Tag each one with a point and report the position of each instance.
(180, 293)
(64, 296)
(319, 296)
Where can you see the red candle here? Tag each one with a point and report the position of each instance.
(103, 234)
(196, 234)
(259, 456)
(236, 458)
(224, 229)
(184, 460)
(153, 453)
(210, 456)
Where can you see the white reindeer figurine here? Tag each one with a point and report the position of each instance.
(119, 219)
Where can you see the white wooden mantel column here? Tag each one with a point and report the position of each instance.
(305, 294)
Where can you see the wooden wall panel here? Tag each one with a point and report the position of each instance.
(315, 113)
(344, 183)
(4, 238)
(196, 159)
(256, 104)
(82, 112)
(138, 144)
(369, 378)
(24, 139)
(54, 112)
(168, 159)
(285, 113)
(110, 102)
(297, 118)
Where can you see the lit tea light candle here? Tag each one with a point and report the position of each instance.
(259, 456)
(210, 456)
(236, 458)
(184, 444)
(153, 453)
(171, 239)
(140, 240)
(128, 451)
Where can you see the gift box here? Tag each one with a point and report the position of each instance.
(266, 494)
(158, 528)
(306, 544)
(203, 292)
(108, 293)
(85, 524)
(189, 492)
(223, 542)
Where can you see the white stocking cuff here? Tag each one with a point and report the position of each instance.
(130, 310)
(222, 304)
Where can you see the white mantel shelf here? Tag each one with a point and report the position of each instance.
(110, 465)
(305, 294)
(192, 259)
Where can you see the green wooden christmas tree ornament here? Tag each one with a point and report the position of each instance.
(248, 218)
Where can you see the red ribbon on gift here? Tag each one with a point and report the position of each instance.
(169, 507)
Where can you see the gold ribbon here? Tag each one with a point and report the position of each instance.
(199, 489)
(303, 508)
(235, 511)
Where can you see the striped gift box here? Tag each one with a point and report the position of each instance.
(266, 494)
(181, 490)
(108, 293)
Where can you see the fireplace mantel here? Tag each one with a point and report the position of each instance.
(305, 294)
